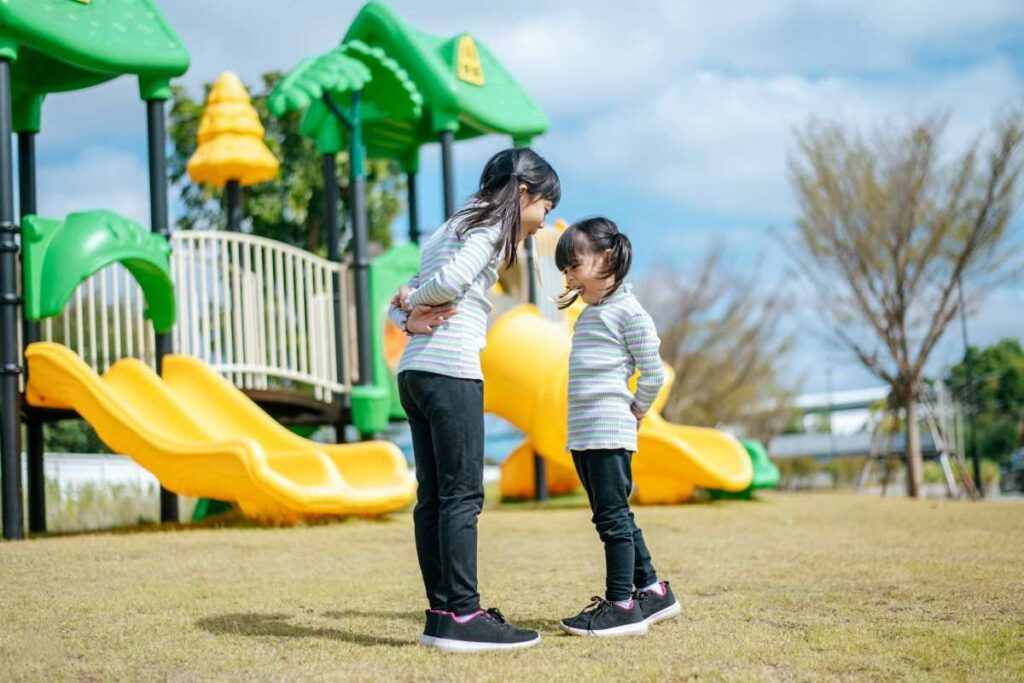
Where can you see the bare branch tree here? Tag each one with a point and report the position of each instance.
(886, 232)
(722, 337)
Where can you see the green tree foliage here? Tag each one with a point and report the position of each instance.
(72, 436)
(290, 208)
(997, 395)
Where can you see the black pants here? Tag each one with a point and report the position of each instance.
(608, 479)
(446, 416)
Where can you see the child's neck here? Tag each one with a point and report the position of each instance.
(607, 292)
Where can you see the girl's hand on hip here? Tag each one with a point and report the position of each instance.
(401, 299)
(638, 415)
(426, 319)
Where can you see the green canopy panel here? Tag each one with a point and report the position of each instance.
(464, 88)
(58, 255)
(387, 93)
(332, 72)
(62, 45)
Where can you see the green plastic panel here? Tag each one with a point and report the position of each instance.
(59, 255)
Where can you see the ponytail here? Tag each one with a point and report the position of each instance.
(620, 260)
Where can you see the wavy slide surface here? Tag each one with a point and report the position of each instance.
(202, 437)
(526, 366)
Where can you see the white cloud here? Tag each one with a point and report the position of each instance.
(718, 143)
(95, 178)
(573, 56)
(110, 114)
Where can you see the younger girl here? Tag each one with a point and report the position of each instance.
(441, 389)
(613, 337)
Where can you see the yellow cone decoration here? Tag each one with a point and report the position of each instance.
(231, 139)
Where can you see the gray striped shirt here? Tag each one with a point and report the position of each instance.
(456, 271)
(610, 341)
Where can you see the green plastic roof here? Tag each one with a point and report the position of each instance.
(497, 105)
(62, 45)
(387, 93)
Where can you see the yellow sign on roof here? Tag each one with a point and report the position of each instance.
(467, 66)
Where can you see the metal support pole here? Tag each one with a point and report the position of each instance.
(360, 239)
(10, 369)
(233, 190)
(352, 120)
(329, 169)
(414, 218)
(31, 333)
(540, 471)
(159, 223)
(972, 390)
(447, 140)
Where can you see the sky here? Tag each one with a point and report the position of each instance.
(674, 118)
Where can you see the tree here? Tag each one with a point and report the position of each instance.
(290, 208)
(72, 436)
(887, 231)
(997, 395)
(722, 337)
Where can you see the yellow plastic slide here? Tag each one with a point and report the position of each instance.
(526, 364)
(202, 437)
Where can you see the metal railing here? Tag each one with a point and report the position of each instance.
(259, 311)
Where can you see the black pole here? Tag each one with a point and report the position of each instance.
(234, 197)
(972, 391)
(329, 170)
(414, 218)
(531, 274)
(158, 216)
(31, 333)
(540, 470)
(360, 239)
(10, 369)
(447, 139)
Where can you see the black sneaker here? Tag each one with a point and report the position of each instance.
(480, 631)
(430, 628)
(603, 618)
(658, 607)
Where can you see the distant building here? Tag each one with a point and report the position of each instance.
(839, 424)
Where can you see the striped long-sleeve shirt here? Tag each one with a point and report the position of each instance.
(457, 271)
(610, 341)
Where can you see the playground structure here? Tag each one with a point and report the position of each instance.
(176, 346)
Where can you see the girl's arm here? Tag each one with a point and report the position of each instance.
(456, 276)
(643, 344)
(397, 314)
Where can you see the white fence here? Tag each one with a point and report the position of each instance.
(259, 311)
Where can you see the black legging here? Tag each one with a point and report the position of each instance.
(608, 480)
(446, 416)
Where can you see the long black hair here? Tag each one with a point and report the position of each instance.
(497, 200)
(594, 235)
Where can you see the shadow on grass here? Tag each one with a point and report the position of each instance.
(578, 500)
(256, 624)
(342, 614)
(545, 625)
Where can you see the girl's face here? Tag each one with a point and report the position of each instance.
(588, 276)
(532, 212)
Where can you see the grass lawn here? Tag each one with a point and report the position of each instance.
(793, 587)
